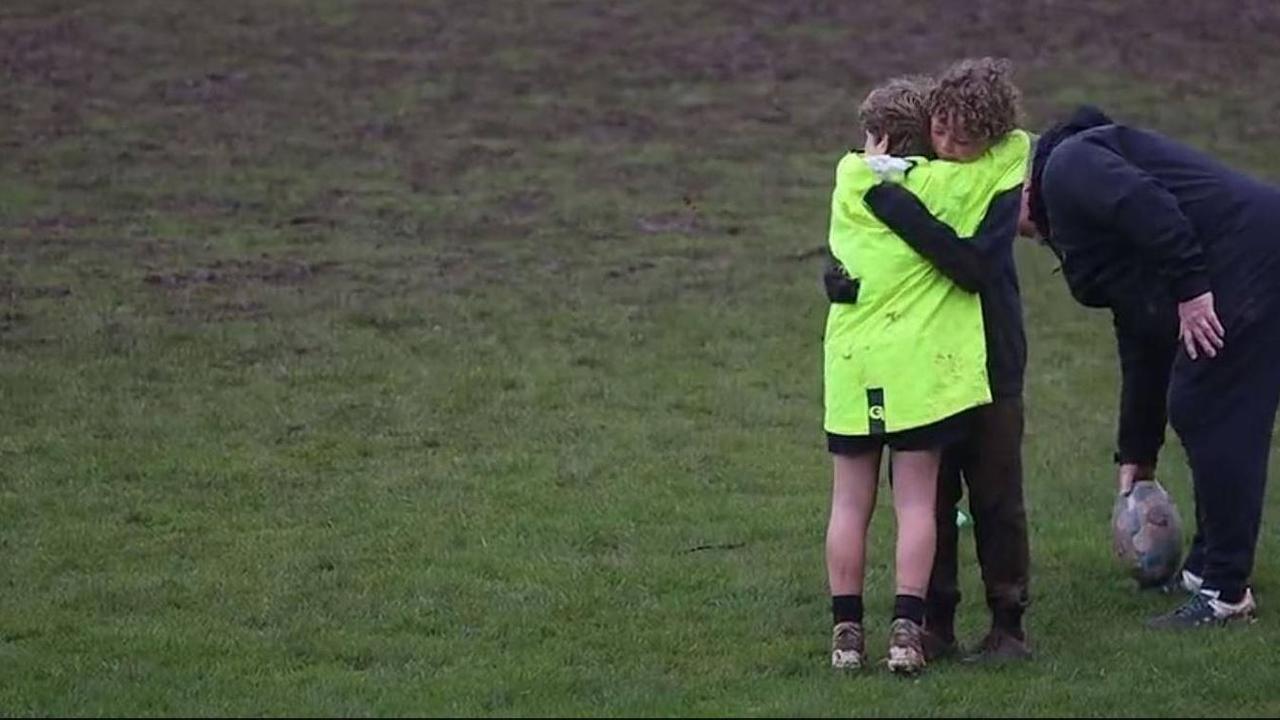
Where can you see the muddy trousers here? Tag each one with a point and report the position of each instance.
(988, 462)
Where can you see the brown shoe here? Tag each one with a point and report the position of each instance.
(847, 646)
(906, 647)
(939, 647)
(1001, 645)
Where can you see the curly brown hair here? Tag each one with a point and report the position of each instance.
(899, 110)
(977, 97)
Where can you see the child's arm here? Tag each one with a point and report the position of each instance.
(966, 261)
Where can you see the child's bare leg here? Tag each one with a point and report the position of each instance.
(915, 485)
(915, 488)
(853, 497)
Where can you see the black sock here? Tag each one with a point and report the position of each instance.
(846, 608)
(909, 607)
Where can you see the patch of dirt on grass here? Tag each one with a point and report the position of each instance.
(264, 270)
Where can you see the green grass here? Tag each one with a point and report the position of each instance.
(393, 358)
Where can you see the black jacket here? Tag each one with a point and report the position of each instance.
(1140, 223)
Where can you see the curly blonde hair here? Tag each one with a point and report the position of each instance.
(899, 110)
(977, 97)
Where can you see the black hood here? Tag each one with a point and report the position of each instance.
(1084, 117)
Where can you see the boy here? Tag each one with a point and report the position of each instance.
(905, 358)
(973, 106)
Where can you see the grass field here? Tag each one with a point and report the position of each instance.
(443, 358)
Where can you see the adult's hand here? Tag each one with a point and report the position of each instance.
(1199, 328)
(1131, 473)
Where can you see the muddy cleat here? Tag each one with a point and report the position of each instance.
(906, 647)
(847, 646)
(1204, 609)
(1001, 645)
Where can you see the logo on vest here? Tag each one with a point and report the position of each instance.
(875, 411)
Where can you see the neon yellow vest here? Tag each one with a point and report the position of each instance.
(911, 350)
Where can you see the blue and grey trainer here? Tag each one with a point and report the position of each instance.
(1204, 609)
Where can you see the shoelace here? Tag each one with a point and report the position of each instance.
(1195, 606)
(848, 638)
(909, 632)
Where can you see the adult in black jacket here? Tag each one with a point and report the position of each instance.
(1186, 254)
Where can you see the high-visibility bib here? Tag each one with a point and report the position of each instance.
(911, 350)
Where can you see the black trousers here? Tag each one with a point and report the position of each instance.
(989, 463)
(1223, 410)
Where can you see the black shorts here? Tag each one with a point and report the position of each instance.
(934, 436)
